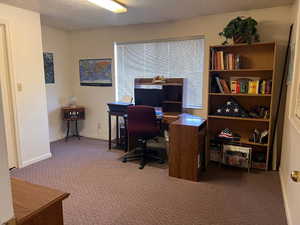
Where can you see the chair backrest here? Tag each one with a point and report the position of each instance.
(142, 120)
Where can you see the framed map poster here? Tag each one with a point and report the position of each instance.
(95, 72)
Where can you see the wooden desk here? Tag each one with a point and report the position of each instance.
(37, 205)
(169, 118)
(187, 147)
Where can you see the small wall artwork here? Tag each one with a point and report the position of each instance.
(95, 72)
(49, 68)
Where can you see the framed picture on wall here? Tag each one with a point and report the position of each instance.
(48, 67)
(95, 72)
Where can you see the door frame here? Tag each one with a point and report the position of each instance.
(295, 90)
(11, 87)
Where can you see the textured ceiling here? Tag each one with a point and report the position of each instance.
(80, 14)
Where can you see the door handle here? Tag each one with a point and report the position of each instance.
(295, 176)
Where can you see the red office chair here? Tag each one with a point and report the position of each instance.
(142, 125)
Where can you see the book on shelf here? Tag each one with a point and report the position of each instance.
(268, 87)
(224, 61)
(219, 84)
(263, 87)
(253, 87)
(244, 85)
(233, 85)
(225, 86)
(221, 57)
(250, 85)
(241, 85)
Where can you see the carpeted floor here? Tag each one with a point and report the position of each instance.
(105, 191)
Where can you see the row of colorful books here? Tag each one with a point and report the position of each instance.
(224, 61)
(244, 86)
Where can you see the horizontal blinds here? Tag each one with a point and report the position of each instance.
(171, 59)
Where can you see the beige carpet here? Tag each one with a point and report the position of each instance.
(105, 191)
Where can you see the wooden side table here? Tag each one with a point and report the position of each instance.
(73, 114)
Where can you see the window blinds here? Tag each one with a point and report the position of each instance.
(171, 59)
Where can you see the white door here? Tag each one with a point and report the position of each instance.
(290, 161)
(5, 85)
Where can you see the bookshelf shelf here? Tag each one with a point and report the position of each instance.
(256, 61)
(245, 141)
(238, 118)
(240, 94)
(257, 44)
(244, 70)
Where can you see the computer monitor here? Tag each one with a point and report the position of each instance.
(148, 96)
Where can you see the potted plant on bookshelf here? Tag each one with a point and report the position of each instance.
(241, 30)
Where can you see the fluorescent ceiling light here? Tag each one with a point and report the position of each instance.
(110, 5)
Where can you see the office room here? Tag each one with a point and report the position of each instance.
(149, 112)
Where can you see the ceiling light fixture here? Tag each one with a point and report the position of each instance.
(110, 5)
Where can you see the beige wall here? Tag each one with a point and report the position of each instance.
(25, 53)
(98, 43)
(58, 42)
(291, 138)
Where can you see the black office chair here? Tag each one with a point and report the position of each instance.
(143, 126)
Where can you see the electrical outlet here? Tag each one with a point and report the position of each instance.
(98, 128)
(19, 87)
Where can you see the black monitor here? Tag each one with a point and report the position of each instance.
(151, 96)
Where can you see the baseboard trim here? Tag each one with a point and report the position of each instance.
(94, 137)
(36, 159)
(58, 140)
(11, 222)
(285, 201)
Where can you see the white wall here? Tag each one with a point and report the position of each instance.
(291, 139)
(6, 210)
(27, 70)
(98, 43)
(58, 42)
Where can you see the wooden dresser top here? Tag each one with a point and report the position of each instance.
(30, 199)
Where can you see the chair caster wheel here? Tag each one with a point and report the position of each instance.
(161, 161)
(124, 160)
(141, 167)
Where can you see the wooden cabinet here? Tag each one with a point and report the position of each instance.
(37, 205)
(187, 147)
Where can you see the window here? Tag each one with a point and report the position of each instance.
(170, 58)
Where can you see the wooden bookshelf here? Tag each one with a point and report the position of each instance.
(257, 60)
